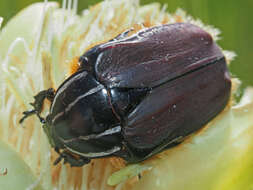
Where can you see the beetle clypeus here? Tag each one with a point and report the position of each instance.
(136, 95)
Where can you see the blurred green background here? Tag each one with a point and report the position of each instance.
(232, 17)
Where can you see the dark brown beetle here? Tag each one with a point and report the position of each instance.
(136, 95)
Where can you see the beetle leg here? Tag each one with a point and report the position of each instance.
(122, 35)
(27, 114)
(78, 163)
(38, 104)
(73, 161)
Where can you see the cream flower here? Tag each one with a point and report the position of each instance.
(39, 48)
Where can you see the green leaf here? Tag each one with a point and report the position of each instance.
(15, 174)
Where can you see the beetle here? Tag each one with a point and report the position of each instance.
(136, 95)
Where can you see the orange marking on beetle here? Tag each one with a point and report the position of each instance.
(74, 65)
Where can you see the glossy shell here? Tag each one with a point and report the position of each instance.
(155, 87)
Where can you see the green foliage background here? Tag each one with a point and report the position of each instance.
(232, 17)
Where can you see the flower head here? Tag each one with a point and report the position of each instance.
(40, 48)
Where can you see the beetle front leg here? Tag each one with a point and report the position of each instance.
(38, 104)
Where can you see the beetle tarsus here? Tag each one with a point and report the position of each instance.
(38, 104)
(27, 114)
